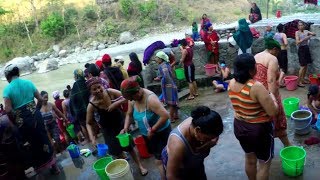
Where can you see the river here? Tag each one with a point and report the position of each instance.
(60, 78)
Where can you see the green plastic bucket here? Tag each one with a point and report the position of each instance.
(124, 139)
(293, 160)
(180, 74)
(290, 105)
(70, 130)
(100, 165)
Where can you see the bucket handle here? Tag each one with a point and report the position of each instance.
(299, 129)
(305, 161)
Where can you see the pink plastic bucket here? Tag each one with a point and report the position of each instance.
(291, 82)
(210, 69)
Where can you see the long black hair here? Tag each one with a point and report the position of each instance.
(134, 58)
(207, 120)
(243, 64)
(313, 90)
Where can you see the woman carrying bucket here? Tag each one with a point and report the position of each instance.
(107, 104)
(268, 74)
(168, 86)
(152, 118)
(190, 143)
(254, 108)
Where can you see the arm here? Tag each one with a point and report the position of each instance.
(175, 157)
(272, 77)
(183, 55)
(127, 120)
(299, 41)
(8, 108)
(311, 34)
(64, 108)
(285, 39)
(310, 106)
(266, 100)
(58, 112)
(174, 59)
(155, 106)
(116, 95)
(225, 73)
(89, 123)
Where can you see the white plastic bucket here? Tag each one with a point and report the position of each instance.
(119, 169)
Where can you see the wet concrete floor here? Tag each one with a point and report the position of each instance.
(226, 160)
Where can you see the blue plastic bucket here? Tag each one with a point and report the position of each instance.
(102, 150)
(74, 151)
(318, 123)
(302, 121)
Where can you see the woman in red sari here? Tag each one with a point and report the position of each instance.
(268, 74)
(212, 45)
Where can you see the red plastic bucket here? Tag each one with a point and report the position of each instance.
(141, 146)
(210, 69)
(314, 79)
(291, 82)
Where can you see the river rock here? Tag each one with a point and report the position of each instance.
(48, 65)
(35, 58)
(63, 53)
(24, 64)
(95, 44)
(77, 49)
(126, 37)
(56, 48)
(101, 46)
(43, 56)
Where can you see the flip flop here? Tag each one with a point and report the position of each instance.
(196, 95)
(144, 173)
(301, 85)
(190, 98)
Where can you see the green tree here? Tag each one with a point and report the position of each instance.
(126, 7)
(53, 26)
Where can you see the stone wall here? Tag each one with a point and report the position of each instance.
(228, 54)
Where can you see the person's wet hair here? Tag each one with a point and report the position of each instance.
(243, 64)
(66, 93)
(313, 90)
(42, 93)
(280, 28)
(183, 42)
(207, 120)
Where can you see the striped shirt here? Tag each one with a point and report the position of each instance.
(245, 107)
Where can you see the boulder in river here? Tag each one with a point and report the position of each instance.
(63, 53)
(126, 37)
(48, 65)
(56, 48)
(25, 65)
(101, 46)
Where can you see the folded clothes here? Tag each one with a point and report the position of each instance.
(312, 140)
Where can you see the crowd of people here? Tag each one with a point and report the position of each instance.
(105, 98)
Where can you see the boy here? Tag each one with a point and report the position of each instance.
(222, 85)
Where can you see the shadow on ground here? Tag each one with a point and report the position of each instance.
(226, 160)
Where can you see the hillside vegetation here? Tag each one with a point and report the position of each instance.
(31, 26)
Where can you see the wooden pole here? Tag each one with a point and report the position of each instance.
(268, 9)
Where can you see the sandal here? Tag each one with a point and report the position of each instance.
(196, 94)
(190, 98)
(144, 172)
(301, 85)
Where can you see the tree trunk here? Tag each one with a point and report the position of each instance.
(268, 9)
(28, 33)
(34, 13)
